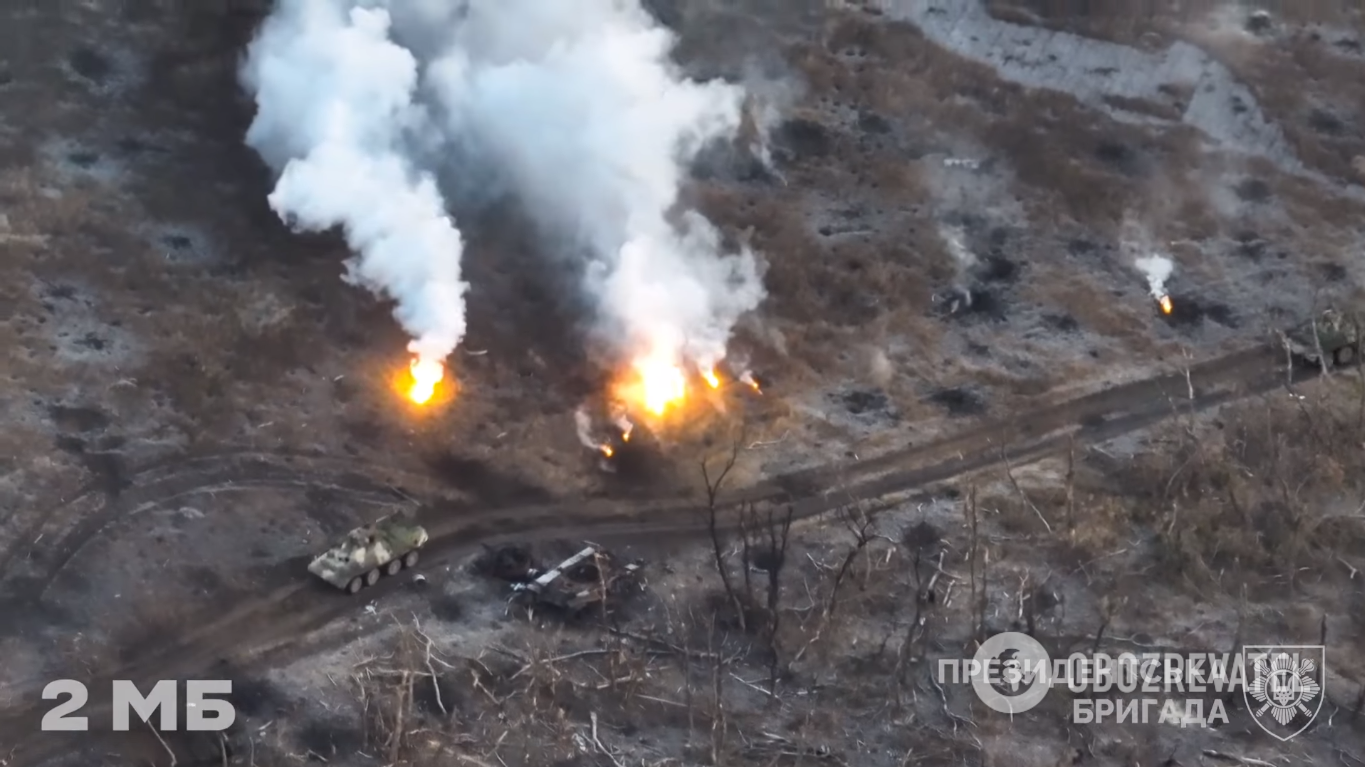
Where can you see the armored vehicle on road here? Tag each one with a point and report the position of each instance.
(1335, 333)
(386, 545)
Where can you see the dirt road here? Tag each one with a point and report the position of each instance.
(271, 628)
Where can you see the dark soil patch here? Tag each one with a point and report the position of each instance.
(1063, 322)
(109, 470)
(78, 419)
(921, 536)
(484, 482)
(1250, 246)
(90, 64)
(634, 467)
(766, 558)
(871, 122)
(331, 740)
(1189, 310)
(1122, 158)
(867, 402)
(959, 401)
(1326, 123)
(1253, 190)
(430, 696)
(975, 304)
(802, 139)
(997, 268)
(255, 697)
(447, 608)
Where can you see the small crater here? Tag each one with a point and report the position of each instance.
(92, 341)
(766, 559)
(447, 608)
(1332, 272)
(1063, 322)
(109, 471)
(1326, 123)
(1258, 23)
(84, 160)
(177, 242)
(921, 536)
(1120, 157)
(963, 304)
(997, 268)
(871, 122)
(1250, 246)
(865, 402)
(959, 401)
(90, 64)
(78, 419)
(58, 291)
(804, 138)
(70, 444)
(1253, 190)
(431, 696)
(1080, 247)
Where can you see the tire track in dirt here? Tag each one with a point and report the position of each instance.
(163, 481)
(151, 476)
(276, 626)
(149, 485)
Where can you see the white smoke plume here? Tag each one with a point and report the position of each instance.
(1158, 269)
(580, 107)
(576, 106)
(583, 426)
(335, 106)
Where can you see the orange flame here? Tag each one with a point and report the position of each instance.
(607, 451)
(748, 378)
(660, 383)
(426, 374)
(1166, 306)
(711, 378)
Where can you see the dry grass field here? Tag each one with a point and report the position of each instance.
(197, 403)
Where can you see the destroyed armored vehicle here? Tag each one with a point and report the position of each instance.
(1335, 333)
(584, 579)
(386, 546)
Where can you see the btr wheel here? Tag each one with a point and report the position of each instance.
(410, 559)
(372, 577)
(357, 583)
(1344, 356)
(393, 567)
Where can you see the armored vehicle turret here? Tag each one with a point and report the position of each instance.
(385, 546)
(1333, 338)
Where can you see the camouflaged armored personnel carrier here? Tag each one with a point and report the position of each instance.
(386, 546)
(1336, 333)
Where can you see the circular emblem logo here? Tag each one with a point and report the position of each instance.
(1015, 672)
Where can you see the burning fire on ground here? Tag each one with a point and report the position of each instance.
(1158, 269)
(653, 387)
(422, 381)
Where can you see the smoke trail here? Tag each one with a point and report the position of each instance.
(1158, 269)
(580, 107)
(335, 106)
